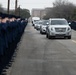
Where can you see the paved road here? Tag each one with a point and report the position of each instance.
(38, 55)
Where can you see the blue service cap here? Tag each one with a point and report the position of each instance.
(11, 16)
(22, 18)
(3, 15)
(17, 17)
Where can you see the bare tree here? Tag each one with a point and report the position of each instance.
(60, 2)
(1, 8)
(62, 9)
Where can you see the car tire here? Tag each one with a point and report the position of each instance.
(40, 32)
(69, 37)
(49, 37)
(46, 35)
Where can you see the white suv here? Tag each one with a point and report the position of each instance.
(58, 27)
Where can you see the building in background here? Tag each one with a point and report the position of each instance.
(40, 12)
(48, 9)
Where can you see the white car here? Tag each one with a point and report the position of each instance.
(58, 27)
(38, 25)
(43, 26)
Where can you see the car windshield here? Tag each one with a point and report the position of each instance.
(59, 22)
(36, 20)
(45, 22)
(40, 22)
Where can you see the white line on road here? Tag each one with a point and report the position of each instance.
(74, 41)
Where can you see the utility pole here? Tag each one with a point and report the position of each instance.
(16, 7)
(40, 14)
(19, 10)
(8, 6)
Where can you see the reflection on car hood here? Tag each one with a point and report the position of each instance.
(44, 26)
(38, 24)
(59, 26)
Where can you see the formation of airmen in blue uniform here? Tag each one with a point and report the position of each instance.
(73, 25)
(11, 28)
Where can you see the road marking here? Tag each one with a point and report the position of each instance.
(74, 41)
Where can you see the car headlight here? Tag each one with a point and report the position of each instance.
(69, 28)
(51, 29)
(43, 27)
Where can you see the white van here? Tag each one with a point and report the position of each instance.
(34, 19)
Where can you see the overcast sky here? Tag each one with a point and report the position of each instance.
(29, 4)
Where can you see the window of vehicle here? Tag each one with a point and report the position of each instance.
(36, 20)
(40, 22)
(59, 22)
(45, 22)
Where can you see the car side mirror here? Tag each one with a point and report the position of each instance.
(69, 23)
(47, 23)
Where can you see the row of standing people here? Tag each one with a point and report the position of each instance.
(11, 28)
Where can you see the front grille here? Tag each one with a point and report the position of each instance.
(60, 29)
